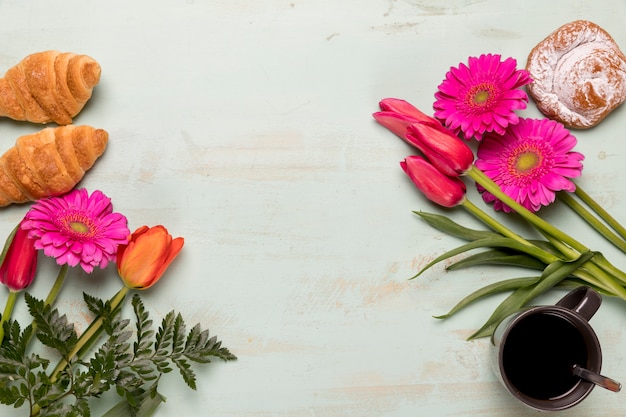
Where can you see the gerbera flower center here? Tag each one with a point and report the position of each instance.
(481, 96)
(526, 161)
(78, 224)
(79, 227)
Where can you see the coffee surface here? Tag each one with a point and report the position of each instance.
(539, 354)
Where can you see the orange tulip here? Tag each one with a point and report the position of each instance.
(149, 251)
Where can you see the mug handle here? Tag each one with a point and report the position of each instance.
(583, 300)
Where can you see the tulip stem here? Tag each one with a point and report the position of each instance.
(607, 279)
(86, 337)
(544, 256)
(8, 311)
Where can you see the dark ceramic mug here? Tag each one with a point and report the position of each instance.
(536, 349)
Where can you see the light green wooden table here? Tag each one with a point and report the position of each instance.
(245, 127)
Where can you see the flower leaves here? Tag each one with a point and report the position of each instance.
(132, 367)
(54, 330)
(505, 250)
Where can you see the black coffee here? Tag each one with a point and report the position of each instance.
(539, 354)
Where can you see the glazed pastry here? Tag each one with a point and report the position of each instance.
(49, 163)
(49, 86)
(579, 74)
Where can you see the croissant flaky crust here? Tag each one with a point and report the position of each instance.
(49, 86)
(49, 163)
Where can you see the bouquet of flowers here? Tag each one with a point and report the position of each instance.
(81, 230)
(520, 166)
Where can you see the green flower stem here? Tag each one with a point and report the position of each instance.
(537, 252)
(600, 261)
(85, 338)
(609, 281)
(58, 284)
(560, 246)
(600, 227)
(488, 184)
(606, 283)
(8, 311)
(604, 215)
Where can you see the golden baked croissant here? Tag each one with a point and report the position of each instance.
(49, 163)
(49, 86)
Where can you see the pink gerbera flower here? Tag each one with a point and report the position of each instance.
(530, 162)
(481, 96)
(77, 228)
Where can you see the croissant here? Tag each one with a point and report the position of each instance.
(49, 163)
(49, 86)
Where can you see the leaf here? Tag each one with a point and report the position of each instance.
(141, 347)
(7, 243)
(186, 372)
(554, 273)
(575, 282)
(490, 242)
(548, 247)
(96, 305)
(495, 288)
(498, 257)
(452, 228)
(53, 330)
(178, 336)
(165, 334)
(15, 341)
(511, 304)
(200, 348)
(146, 409)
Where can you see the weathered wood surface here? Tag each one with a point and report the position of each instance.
(245, 127)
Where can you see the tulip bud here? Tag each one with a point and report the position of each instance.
(437, 187)
(440, 145)
(20, 261)
(443, 149)
(402, 107)
(397, 115)
(149, 251)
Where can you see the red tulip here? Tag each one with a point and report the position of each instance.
(405, 108)
(397, 115)
(439, 188)
(149, 252)
(20, 261)
(443, 148)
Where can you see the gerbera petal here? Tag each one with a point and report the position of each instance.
(481, 96)
(77, 228)
(530, 161)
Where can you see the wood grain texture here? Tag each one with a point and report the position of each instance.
(245, 127)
